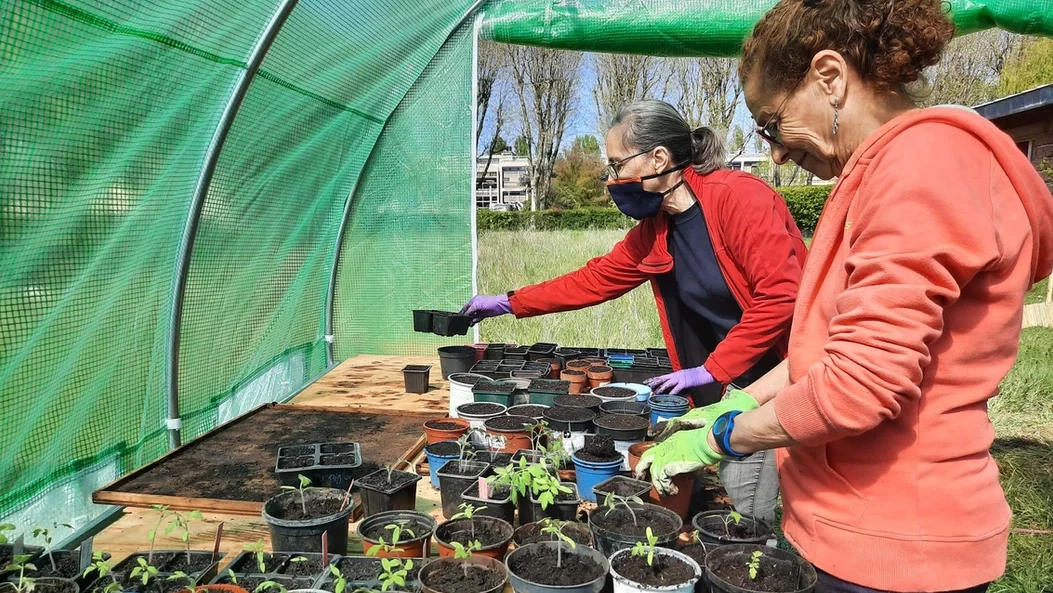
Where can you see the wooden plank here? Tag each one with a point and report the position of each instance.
(376, 383)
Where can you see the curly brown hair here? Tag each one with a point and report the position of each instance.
(889, 42)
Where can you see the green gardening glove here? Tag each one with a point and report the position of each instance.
(684, 452)
(735, 400)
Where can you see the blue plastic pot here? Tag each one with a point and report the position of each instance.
(435, 462)
(664, 407)
(589, 474)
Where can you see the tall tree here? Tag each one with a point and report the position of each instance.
(624, 79)
(578, 172)
(490, 65)
(708, 91)
(521, 146)
(544, 81)
(969, 71)
(1032, 67)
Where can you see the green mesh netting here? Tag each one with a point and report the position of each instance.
(107, 112)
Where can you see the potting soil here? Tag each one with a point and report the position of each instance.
(620, 520)
(291, 508)
(304, 568)
(549, 385)
(570, 414)
(337, 459)
(598, 449)
(498, 492)
(532, 534)
(443, 449)
(745, 529)
(664, 572)
(66, 567)
(481, 408)
(695, 551)
(621, 422)
(379, 480)
(623, 489)
(419, 528)
(616, 392)
(539, 566)
(577, 401)
(494, 387)
(253, 582)
(337, 448)
(467, 378)
(488, 533)
(360, 569)
(198, 562)
(773, 574)
(249, 564)
(295, 462)
(530, 410)
(513, 423)
(298, 450)
(441, 425)
(454, 578)
(455, 469)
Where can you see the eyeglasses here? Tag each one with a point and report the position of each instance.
(770, 130)
(612, 169)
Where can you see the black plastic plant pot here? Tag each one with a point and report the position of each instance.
(380, 496)
(720, 562)
(371, 529)
(246, 563)
(455, 359)
(43, 585)
(541, 350)
(448, 324)
(327, 465)
(516, 353)
(478, 560)
(664, 523)
(570, 419)
(531, 533)
(454, 478)
(629, 408)
(719, 528)
(494, 458)
(292, 533)
(565, 508)
(7, 553)
(621, 427)
(416, 377)
(422, 320)
(495, 351)
(622, 486)
(67, 565)
(589, 402)
(499, 504)
(519, 559)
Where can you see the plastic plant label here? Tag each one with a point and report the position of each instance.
(623, 448)
(484, 489)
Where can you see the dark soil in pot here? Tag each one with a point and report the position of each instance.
(66, 567)
(620, 520)
(614, 392)
(291, 509)
(549, 385)
(513, 423)
(295, 462)
(337, 459)
(495, 387)
(531, 534)
(495, 459)
(443, 425)
(538, 565)
(379, 480)
(529, 410)
(695, 550)
(199, 562)
(452, 578)
(712, 528)
(624, 487)
(577, 401)
(252, 583)
(570, 414)
(481, 409)
(443, 449)
(598, 449)
(489, 533)
(773, 574)
(311, 567)
(621, 422)
(299, 450)
(666, 571)
(454, 469)
(419, 528)
(359, 568)
(467, 378)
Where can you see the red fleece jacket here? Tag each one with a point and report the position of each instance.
(758, 247)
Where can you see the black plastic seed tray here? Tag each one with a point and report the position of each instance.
(511, 365)
(553, 386)
(329, 465)
(537, 366)
(493, 388)
(167, 562)
(289, 564)
(485, 365)
(541, 350)
(658, 353)
(495, 351)
(363, 572)
(516, 353)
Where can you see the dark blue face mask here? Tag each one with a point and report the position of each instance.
(634, 201)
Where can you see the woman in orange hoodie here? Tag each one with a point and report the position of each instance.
(909, 310)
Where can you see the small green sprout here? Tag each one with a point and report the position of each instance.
(20, 564)
(181, 523)
(271, 586)
(467, 453)
(257, 551)
(191, 581)
(468, 512)
(304, 483)
(144, 571)
(101, 566)
(396, 529)
(647, 550)
(395, 572)
(232, 576)
(339, 580)
(732, 517)
(611, 501)
(546, 487)
(162, 514)
(463, 552)
(754, 564)
(49, 535)
(556, 529)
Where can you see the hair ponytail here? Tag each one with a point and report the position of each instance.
(707, 150)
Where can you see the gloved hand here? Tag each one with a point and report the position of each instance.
(480, 307)
(735, 400)
(685, 452)
(674, 383)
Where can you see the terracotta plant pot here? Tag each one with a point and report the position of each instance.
(437, 435)
(685, 484)
(578, 365)
(599, 375)
(578, 380)
(509, 434)
(494, 550)
(409, 546)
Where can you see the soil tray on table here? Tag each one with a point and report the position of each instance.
(231, 468)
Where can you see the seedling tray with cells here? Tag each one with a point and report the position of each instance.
(251, 582)
(328, 465)
(201, 568)
(363, 572)
(541, 350)
(516, 353)
(307, 566)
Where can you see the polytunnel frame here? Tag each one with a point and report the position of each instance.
(173, 421)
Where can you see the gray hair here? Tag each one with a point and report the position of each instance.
(650, 124)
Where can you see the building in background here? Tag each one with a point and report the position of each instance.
(505, 184)
(750, 163)
(1028, 119)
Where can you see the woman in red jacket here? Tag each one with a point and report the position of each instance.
(723, 256)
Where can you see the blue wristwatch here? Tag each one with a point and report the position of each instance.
(722, 428)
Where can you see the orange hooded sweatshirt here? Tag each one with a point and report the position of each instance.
(908, 317)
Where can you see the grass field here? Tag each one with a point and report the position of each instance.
(1022, 413)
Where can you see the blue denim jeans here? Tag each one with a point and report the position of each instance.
(831, 584)
(752, 484)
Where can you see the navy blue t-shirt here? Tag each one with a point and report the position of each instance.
(701, 286)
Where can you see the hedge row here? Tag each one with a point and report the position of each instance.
(805, 204)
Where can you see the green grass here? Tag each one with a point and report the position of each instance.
(1038, 293)
(1022, 413)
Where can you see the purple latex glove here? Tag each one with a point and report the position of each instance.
(481, 307)
(683, 379)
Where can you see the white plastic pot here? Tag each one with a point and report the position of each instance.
(477, 425)
(624, 585)
(461, 393)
